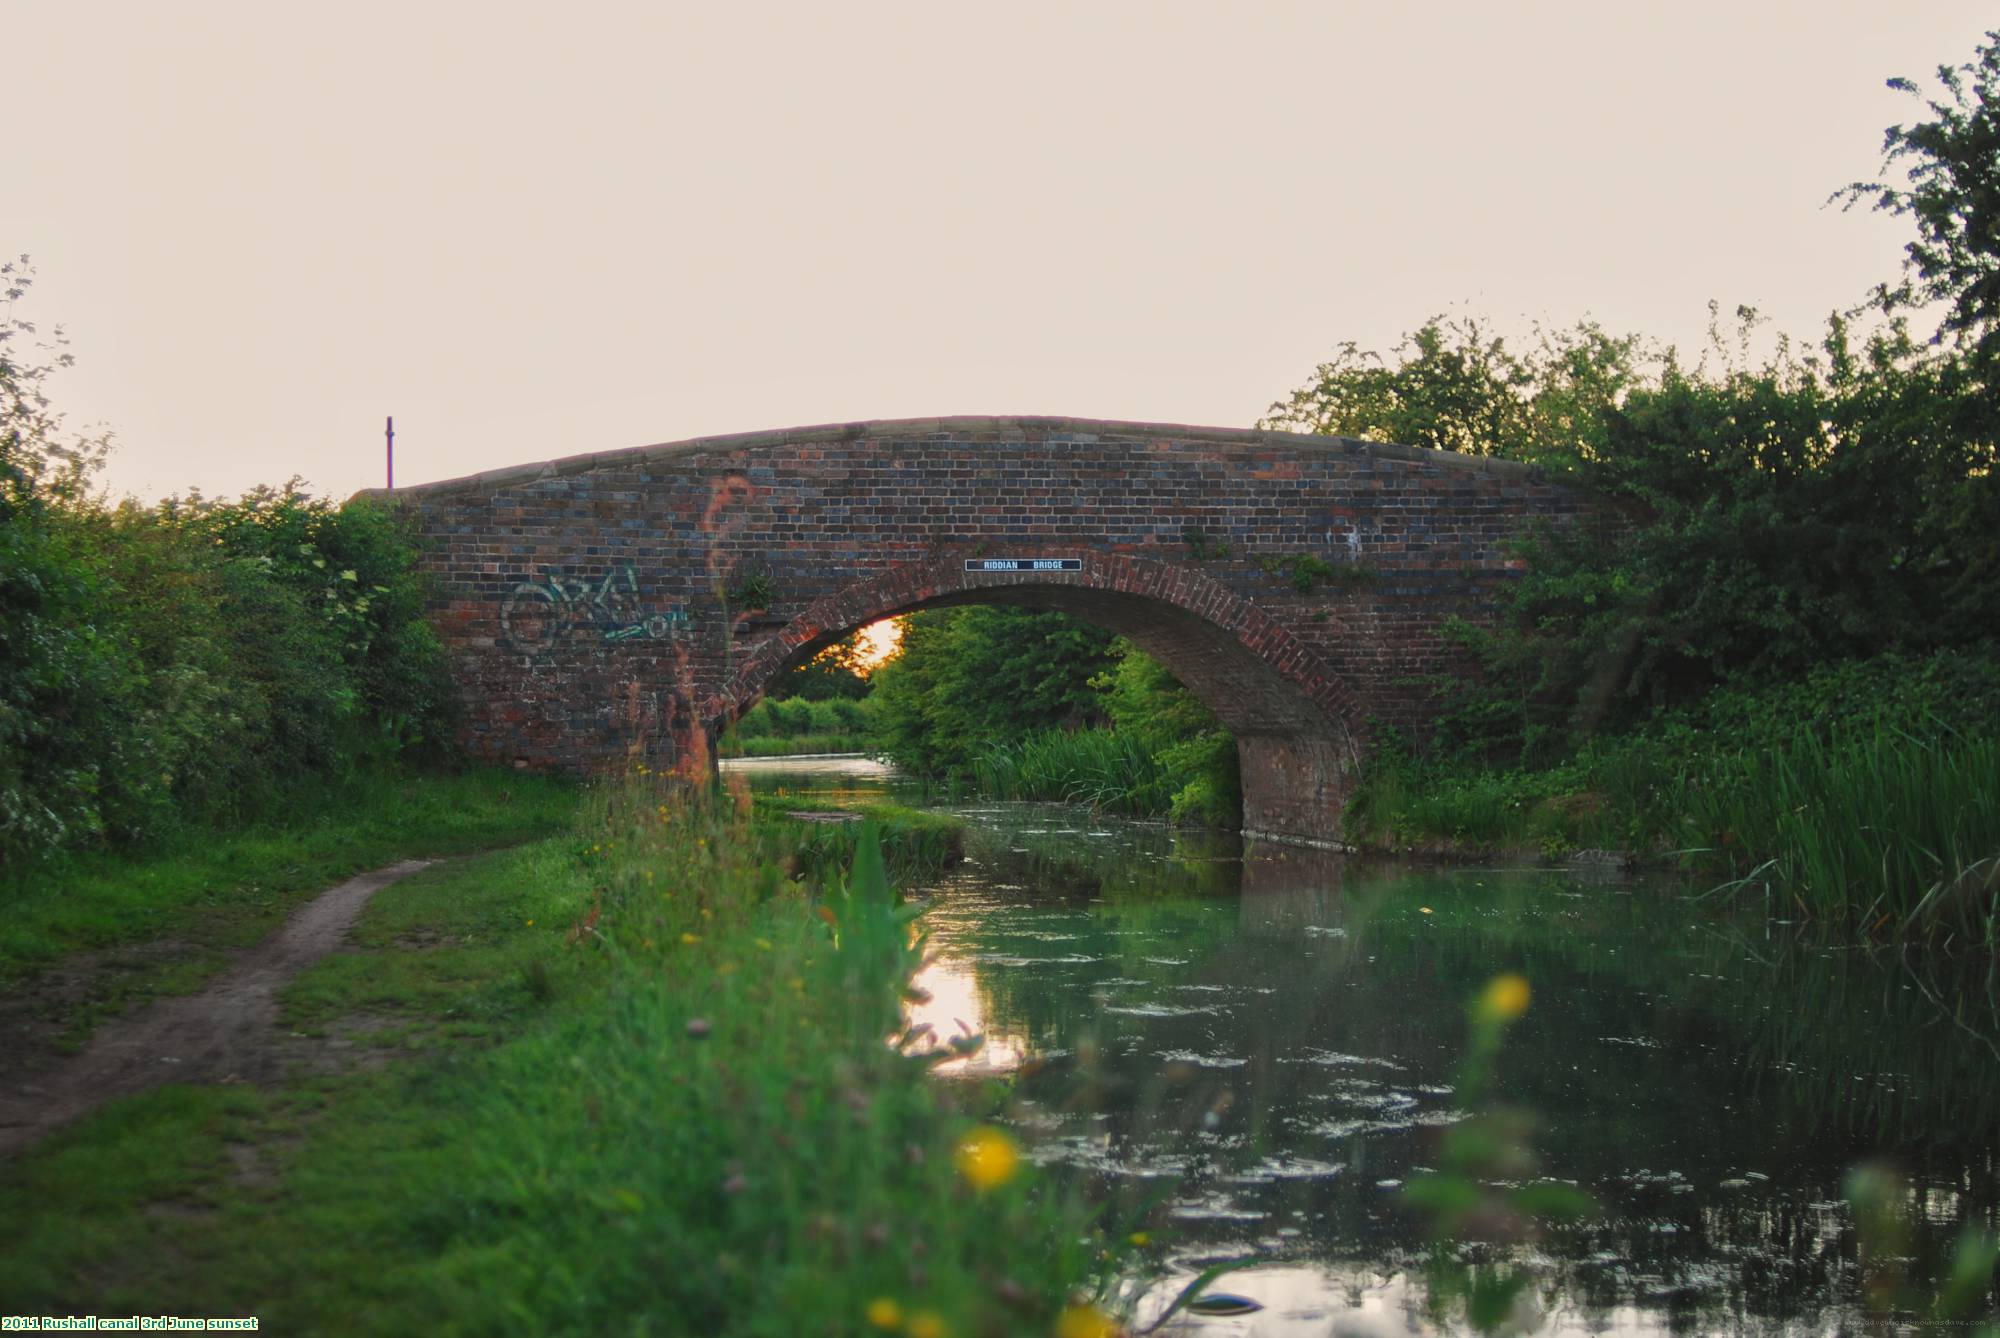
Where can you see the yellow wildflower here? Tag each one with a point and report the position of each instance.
(1140, 1239)
(1084, 1321)
(926, 1324)
(690, 938)
(885, 1314)
(763, 943)
(987, 1157)
(1506, 997)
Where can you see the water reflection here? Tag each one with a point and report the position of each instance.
(947, 1005)
(1275, 1034)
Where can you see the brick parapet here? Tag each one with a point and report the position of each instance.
(582, 598)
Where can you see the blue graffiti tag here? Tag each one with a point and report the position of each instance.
(555, 608)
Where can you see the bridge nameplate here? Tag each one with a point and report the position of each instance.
(1024, 564)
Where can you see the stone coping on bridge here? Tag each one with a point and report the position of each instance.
(1017, 427)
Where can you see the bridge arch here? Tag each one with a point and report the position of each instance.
(1292, 716)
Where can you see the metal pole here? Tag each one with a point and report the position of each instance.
(389, 438)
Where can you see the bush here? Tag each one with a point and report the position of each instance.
(791, 717)
(191, 663)
(755, 723)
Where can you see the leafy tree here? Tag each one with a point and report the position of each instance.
(1453, 387)
(969, 678)
(1147, 703)
(354, 568)
(1768, 540)
(1767, 515)
(1952, 165)
(56, 669)
(833, 673)
(41, 461)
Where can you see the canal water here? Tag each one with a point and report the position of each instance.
(1251, 1054)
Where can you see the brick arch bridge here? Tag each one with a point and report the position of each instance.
(626, 606)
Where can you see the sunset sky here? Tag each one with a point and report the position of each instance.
(533, 231)
(878, 642)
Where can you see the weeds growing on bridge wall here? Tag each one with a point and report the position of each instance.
(1306, 572)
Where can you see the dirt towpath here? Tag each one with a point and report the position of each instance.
(223, 1034)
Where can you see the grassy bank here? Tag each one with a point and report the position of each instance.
(1098, 767)
(212, 890)
(1866, 796)
(1118, 771)
(1882, 831)
(652, 1097)
(915, 844)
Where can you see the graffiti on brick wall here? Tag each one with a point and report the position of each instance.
(557, 608)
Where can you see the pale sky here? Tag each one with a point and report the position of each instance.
(528, 231)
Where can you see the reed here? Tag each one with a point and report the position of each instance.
(1889, 829)
(1099, 767)
(1886, 833)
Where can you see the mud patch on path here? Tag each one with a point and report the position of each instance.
(225, 1033)
(49, 1015)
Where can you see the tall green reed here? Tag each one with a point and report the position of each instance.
(1883, 832)
(1099, 767)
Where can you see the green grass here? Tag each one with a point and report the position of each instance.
(794, 726)
(677, 1115)
(210, 892)
(915, 844)
(1098, 767)
(1477, 809)
(1193, 780)
(439, 950)
(1880, 832)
